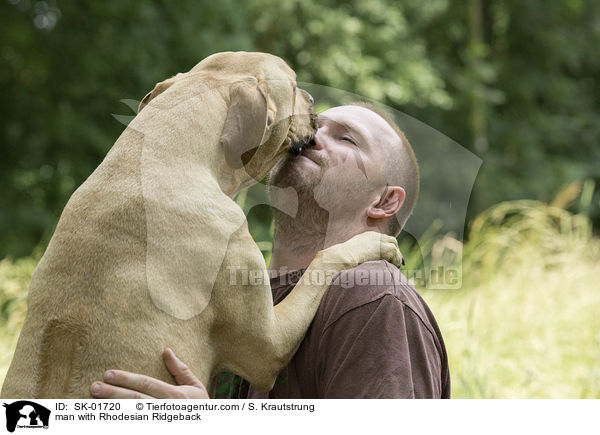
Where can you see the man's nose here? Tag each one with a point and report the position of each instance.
(317, 142)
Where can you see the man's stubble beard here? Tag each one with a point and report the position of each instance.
(308, 228)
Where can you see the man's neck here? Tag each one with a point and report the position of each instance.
(292, 251)
(295, 246)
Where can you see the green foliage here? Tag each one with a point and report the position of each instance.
(373, 48)
(63, 83)
(523, 77)
(515, 82)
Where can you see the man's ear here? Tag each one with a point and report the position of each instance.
(246, 123)
(388, 204)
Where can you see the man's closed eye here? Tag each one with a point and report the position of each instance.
(350, 140)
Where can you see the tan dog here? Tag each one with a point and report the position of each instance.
(142, 255)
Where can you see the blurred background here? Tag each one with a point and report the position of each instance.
(517, 84)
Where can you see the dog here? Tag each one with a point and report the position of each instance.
(143, 252)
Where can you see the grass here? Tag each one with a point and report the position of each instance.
(525, 324)
(14, 280)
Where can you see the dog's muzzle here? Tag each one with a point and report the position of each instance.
(301, 145)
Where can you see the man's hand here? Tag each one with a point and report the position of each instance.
(119, 384)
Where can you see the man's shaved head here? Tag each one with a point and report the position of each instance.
(359, 171)
(401, 169)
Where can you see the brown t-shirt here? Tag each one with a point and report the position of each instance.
(373, 337)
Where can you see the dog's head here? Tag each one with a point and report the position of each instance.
(267, 114)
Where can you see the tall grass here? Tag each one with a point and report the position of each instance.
(526, 322)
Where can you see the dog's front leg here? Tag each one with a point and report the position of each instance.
(271, 335)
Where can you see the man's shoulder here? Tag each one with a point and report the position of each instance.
(369, 283)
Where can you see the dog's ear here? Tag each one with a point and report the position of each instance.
(247, 121)
(158, 89)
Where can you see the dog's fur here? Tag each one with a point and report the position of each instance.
(143, 254)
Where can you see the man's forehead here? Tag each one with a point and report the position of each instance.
(365, 121)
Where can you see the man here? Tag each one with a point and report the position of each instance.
(373, 335)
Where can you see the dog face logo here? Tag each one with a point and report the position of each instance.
(26, 414)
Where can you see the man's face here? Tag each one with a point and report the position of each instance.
(344, 171)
